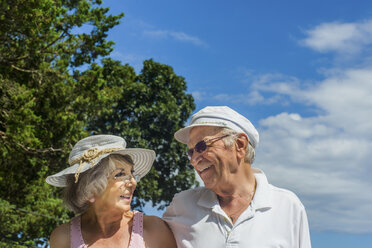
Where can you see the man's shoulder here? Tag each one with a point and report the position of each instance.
(190, 198)
(190, 194)
(184, 201)
(275, 195)
(285, 195)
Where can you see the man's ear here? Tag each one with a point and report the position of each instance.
(241, 145)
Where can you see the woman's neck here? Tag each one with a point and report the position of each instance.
(105, 222)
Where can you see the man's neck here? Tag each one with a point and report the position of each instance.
(237, 196)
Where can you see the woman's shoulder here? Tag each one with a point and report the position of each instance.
(153, 224)
(151, 220)
(60, 237)
(157, 233)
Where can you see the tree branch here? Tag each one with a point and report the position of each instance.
(29, 150)
(25, 70)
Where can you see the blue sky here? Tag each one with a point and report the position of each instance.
(300, 71)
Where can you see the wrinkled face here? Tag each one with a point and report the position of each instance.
(120, 188)
(216, 164)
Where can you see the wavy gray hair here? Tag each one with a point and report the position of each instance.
(229, 141)
(91, 183)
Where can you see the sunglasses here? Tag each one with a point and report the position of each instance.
(202, 145)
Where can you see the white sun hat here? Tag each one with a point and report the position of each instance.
(219, 116)
(89, 151)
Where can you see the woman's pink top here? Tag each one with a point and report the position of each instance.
(136, 237)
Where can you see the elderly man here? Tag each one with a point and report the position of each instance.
(237, 207)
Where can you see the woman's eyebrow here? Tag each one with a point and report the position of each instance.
(118, 170)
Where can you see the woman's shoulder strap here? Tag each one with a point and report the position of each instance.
(76, 238)
(136, 240)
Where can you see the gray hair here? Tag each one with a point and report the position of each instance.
(229, 141)
(91, 183)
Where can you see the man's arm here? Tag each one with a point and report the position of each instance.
(304, 233)
(156, 233)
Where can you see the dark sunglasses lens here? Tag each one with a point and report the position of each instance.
(200, 147)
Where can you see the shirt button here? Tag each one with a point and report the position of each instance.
(228, 233)
(227, 220)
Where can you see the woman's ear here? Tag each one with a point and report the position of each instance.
(241, 145)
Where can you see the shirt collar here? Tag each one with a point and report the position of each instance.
(208, 199)
(261, 199)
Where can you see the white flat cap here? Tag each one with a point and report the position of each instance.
(219, 116)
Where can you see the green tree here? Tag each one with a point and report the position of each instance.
(38, 120)
(47, 104)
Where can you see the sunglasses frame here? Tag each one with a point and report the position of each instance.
(202, 145)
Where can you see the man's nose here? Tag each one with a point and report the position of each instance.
(196, 158)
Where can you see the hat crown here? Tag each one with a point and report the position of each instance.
(220, 116)
(223, 112)
(95, 143)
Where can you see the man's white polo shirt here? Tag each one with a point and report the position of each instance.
(275, 218)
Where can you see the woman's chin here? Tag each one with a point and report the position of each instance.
(124, 203)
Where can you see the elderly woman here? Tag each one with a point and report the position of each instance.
(99, 186)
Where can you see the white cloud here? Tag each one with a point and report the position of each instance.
(345, 96)
(251, 98)
(156, 33)
(339, 37)
(198, 95)
(179, 36)
(325, 158)
(135, 60)
(187, 38)
(278, 83)
(138, 26)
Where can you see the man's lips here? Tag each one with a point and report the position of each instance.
(204, 169)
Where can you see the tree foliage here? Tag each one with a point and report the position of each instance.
(48, 103)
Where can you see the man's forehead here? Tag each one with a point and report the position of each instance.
(197, 133)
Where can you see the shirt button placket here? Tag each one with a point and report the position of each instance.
(228, 229)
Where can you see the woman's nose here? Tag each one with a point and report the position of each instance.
(130, 182)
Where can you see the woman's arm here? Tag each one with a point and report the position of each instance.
(157, 234)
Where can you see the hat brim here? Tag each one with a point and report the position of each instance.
(183, 134)
(142, 159)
